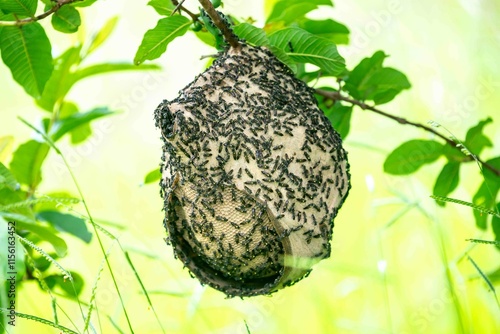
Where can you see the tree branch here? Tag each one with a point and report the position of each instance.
(336, 96)
(219, 23)
(179, 6)
(28, 20)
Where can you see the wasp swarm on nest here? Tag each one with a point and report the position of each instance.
(252, 175)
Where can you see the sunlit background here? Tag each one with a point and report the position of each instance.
(399, 262)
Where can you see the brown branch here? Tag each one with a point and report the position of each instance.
(28, 20)
(178, 6)
(336, 96)
(219, 23)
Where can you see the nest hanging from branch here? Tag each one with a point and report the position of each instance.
(252, 176)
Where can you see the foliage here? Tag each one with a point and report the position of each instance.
(41, 218)
(46, 223)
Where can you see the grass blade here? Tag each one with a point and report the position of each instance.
(84, 202)
(67, 274)
(474, 206)
(489, 242)
(31, 202)
(115, 325)
(143, 289)
(41, 320)
(94, 291)
(246, 326)
(486, 279)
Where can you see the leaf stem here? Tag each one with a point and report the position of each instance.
(228, 34)
(336, 96)
(28, 20)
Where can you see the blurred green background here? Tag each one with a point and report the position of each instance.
(399, 262)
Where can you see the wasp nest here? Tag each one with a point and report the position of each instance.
(253, 175)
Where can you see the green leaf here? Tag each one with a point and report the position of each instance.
(7, 179)
(369, 80)
(492, 179)
(21, 7)
(45, 233)
(452, 154)
(83, 3)
(495, 225)
(155, 41)
(447, 181)
(11, 207)
(385, 84)
(109, 67)
(288, 11)
(252, 34)
(5, 265)
(80, 134)
(26, 50)
(10, 197)
(27, 162)
(6, 143)
(475, 140)
(308, 48)
(332, 30)
(485, 197)
(364, 70)
(65, 125)
(410, 156)
(162, 7)
(67, 109)
(41, 263)
(61, 80)
(495, 276)
(153, 176)
(67, 223)
(205, 37)
(20, 218)
(70, 288)
(487, 193)
(220, 42)
(102, 35)
(340, 118)
(283, 57)
(338, 114)
(66, 19)
(55, 201)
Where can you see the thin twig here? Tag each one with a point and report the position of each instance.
(336, 96)
(178, 7)
(219, 23)
(210, 56)
(29, 20)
